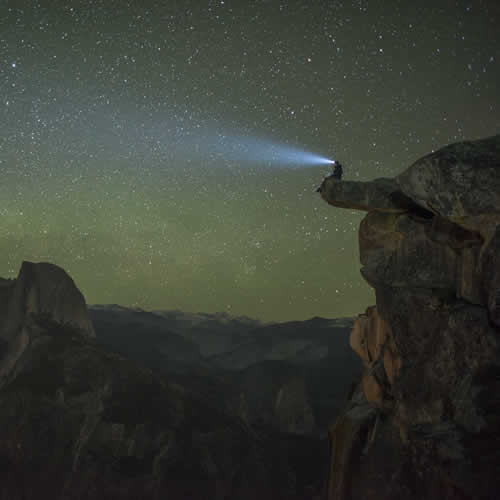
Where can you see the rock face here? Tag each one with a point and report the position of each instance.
(424, 420)
(39, 288)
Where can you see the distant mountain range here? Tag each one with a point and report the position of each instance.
(247, 357)
(109, 402)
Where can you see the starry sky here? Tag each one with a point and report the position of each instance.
(154, 149)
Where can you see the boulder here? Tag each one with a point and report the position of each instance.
(459, 180)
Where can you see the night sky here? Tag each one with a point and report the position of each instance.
(143, 144)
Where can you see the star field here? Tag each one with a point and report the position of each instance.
(134, 139)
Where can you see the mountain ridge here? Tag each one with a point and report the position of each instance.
(110, 402)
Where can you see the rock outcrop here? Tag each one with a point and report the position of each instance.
(360, 195)
(39, 288)
(424, 420)
(458, 180)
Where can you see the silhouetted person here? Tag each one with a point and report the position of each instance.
(337, 170)
(337, 174)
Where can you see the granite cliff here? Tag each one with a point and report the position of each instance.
(424, 420)
(39, 288)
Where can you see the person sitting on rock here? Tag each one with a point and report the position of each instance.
(337, 170)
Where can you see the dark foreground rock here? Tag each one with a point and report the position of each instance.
(424, 420)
